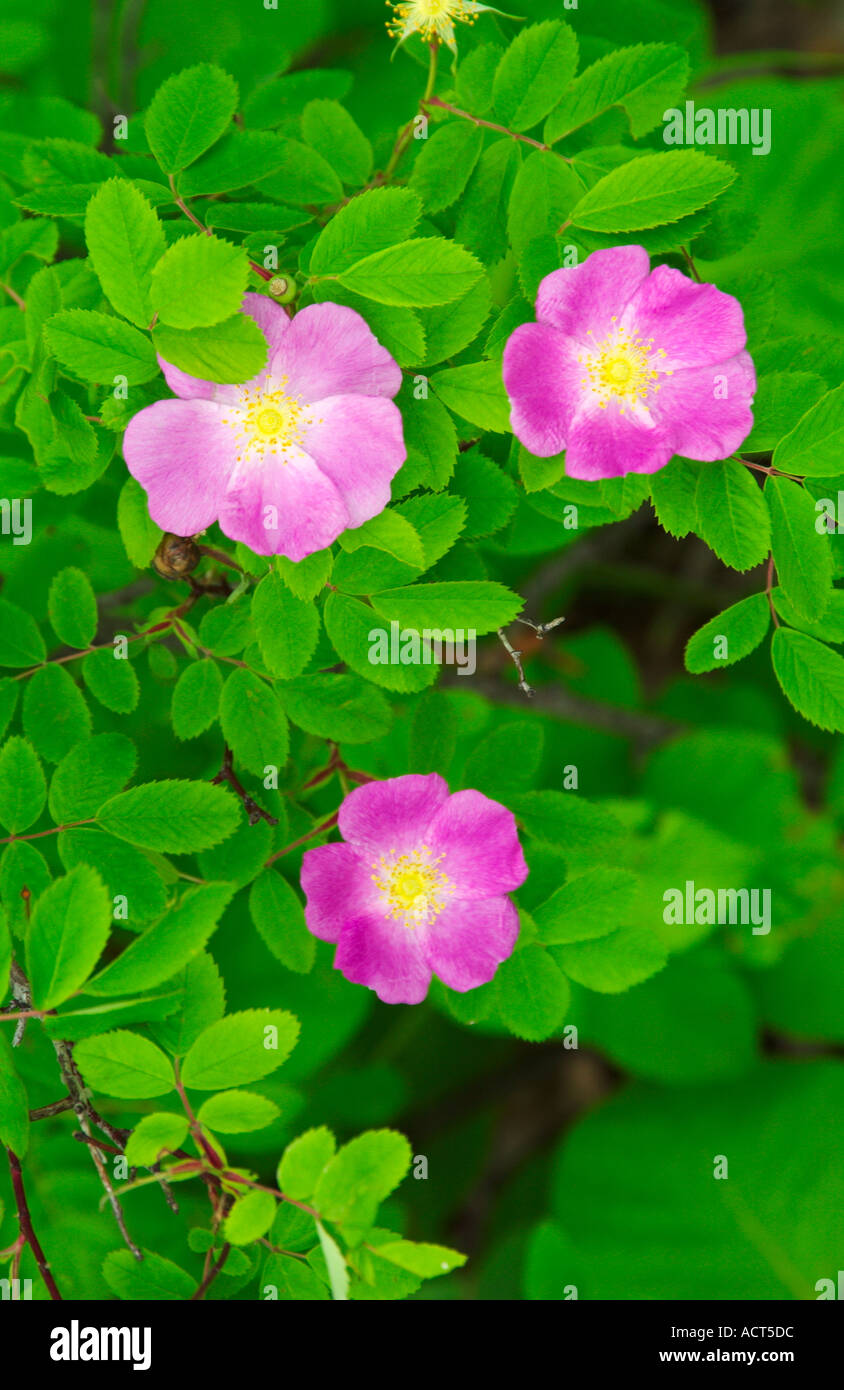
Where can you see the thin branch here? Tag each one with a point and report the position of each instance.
(26, 1228)
(492, 125)
(254, 812)
(211, 1274)
(318, 830)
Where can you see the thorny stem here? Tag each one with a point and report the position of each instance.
(26, 1229)
(491, 125)
(254, 812)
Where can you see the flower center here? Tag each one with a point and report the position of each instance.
(430, 18)
(619, 368)
(413, 890)
(268, 422)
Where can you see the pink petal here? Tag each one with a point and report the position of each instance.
(542, 378)
(273, 323)
(467, 942)
(705, 424)
(480, 845)
(337, 885)
(383, 955)
(182, 455)
(586, 296)
(282, 504)
(358, 443)
(693, 324)
(607, 444)
(329, 350)
(394, 815)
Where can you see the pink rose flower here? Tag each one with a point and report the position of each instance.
(288, 460)
(419, 887)
(625, 368)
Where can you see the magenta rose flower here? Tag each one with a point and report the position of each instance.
(288, 460)
(420, 887)
(625, 368)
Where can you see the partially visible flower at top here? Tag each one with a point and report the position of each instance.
(419, 887)
(288, 460)
(432, 19)
(625, 368)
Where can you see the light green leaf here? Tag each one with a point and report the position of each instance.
(531, 994)
(802, 553)
(732, 515)
(240, 1048)
(445, 163)
(811, 676)
(23, 790)
(99, 348)
(125, 239)
(21, 643)
(378, 218)
(72, 608)
(361, 1175)
(303, 1161)
(287, 628)
(537, 66)
(232, 351)
(475, 605)
(651, 190)
(172, 816)
(476, 393)
(237, 1112)
(124, 1064)
(188, 113)
(279, 917)
(250, 1217)
(199, 281)
(814, 446)
(644, 79)
(253, 721)
(423, 271)
(730, 636)
(196, 698)
(69, 928)
(167, 947)
(153, 1136)
(329, 129)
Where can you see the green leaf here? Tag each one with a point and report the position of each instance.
(253, 722)
(55, 716)
(423, 271)
(67, 934)
(167, 947)
(110, 677)
(814, 445)
(445, 163)
(490, 495)
(335, 1263)
(242, 157)
(425, 1261)
(302, 177)
(373, 650)
(99, 348)
(733, 518)
(476, 393)
(802, 553)
(544, 191)
(376, 219)
(279, 917)
(730, 636)
(587, 907)
(538, 65)
(198, 282)
(305, 578)
(644, 80)
(329, 128)
(23, 790)
(390, 532)
(615, 962)
(360, 1176)
(72, 608)
(125, 870)
(138, 531)
(303, 1161)
(828, 627)
(811, 676)
(532, 995)
(153, 1277)
(291, 1279)
(651, 190)
(250, 1217)
(232, 351)
(674, 496)
(125, 239)
(482, 215)
(196, 698)
(340, 707)
(286, 627)
(14, 1105)
(90, 773)
(433, 733)
(475, 605)
(780, 400)
(154, 1136)
(449, 328)
(172, 816)
(191, 110)
(240, 1048)
(430, 438)
(568, 823)
(237, 1112)
(21, 644)
(124, 1064)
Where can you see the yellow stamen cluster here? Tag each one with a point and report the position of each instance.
(619, 368)
(267, 421)
(413, 890)
(432, 19)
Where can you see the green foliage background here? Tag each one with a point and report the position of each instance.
(550, 1166)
